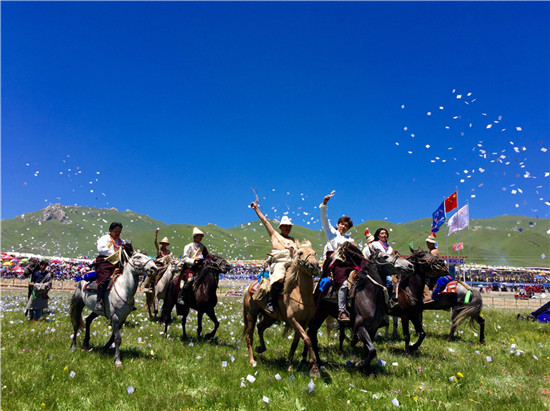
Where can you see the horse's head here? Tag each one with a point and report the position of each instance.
(141, 264)
(391, 264)
(32, 265)
(177, 266)
(218, 263)
(349, 254)
(429, 264)
(306, 257)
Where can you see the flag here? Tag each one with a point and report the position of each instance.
(460, 220)
(438, 218)
(451, 202)
(459, 246)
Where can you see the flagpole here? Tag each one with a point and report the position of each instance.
(469, 256)
(458, 225)
(447, 229)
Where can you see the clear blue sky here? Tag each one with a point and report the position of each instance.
(176, 109)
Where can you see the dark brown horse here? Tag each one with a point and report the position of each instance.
(462, 310)
(410, 295)
(200, 296)
(370, 310)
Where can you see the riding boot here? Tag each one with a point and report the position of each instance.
(342, 302)
(99, 305)
(273, 297)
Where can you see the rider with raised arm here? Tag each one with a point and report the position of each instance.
(281, 256)
(336, 237)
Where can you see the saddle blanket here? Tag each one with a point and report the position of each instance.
(450, 288)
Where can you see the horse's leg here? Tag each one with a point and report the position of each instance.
(184, 321)
(481, 321)
(117, 324)
(249, 324)
(341, 339)
(199, 323)
(89, 319)
(212, 315)
(454, 324)
(395, 326)
(314, 371)
(370, 350)
(406, 335)
(312, 331)
(417, 322)
(293, 347)
(266, 322)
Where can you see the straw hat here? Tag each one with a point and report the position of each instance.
(369, 236)
(196, 231)
(431, 238)
(285, 221)
(165, 241)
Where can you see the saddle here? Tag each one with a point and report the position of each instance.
(91, 287)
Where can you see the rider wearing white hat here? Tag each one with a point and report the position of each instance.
(162, 251)
(193, 255)
(281, 255)
(431, 243)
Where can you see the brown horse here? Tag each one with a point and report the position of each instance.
(410, 295)
(296, 308)
(201, 296)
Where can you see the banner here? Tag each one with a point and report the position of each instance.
(459, 246)
(460, 220)
(438, 218)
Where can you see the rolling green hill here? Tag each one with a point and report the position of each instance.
(72, 232)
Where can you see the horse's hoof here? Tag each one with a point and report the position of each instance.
(208, 336)
(72, 348)
(314, 372)
(289, 368)
(260, 349)
(118, 364)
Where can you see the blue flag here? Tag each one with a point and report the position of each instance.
(439, 218)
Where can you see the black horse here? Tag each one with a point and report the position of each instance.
(410, 294)
(370, 305)
(200, 296)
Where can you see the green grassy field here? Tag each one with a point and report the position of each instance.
(38, 372)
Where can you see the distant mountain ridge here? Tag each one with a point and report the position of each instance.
(72, 231)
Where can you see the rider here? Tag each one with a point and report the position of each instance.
(107, 246)
(335, 238)
(280, 258)
(381, 244)
(162, 251)
(369, 238)
(432, 245)
(193, 256)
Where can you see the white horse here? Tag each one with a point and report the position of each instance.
(119, 301)
(157, 292)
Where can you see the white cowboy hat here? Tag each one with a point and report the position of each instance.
(165, 241)
(285, 221)
(431, 238)
(196, 231)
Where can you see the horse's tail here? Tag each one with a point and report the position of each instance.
(471, 310)
(76, 307)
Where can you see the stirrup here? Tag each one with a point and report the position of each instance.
(343, 317)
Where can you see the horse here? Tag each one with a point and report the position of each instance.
(200, 296)
(156, 290)
(371, 298)
(296, 308)
(461, 310)
(119, 300)
(410, 294)
(326, 304)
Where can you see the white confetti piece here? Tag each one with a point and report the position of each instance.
(395, 402)
(451, 350)
(130, 389)
(427, 146)
(381, 362)
(266, 400)
(72, 374)
(250, 378)
(311, 385)
(489, 359)
(518, 128)
(395, 364)
(535, 357)
(278, 377)
(224, 363)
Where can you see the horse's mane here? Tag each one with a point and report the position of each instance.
(291, 279)
(369, 268)
(427, 263)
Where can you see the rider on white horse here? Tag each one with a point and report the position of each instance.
(107, 246)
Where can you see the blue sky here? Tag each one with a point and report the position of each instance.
(176, 109)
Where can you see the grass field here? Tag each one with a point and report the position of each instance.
(38, 372)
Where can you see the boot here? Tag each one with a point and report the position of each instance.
(273, 297)
(100, 295)
(342, 301)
